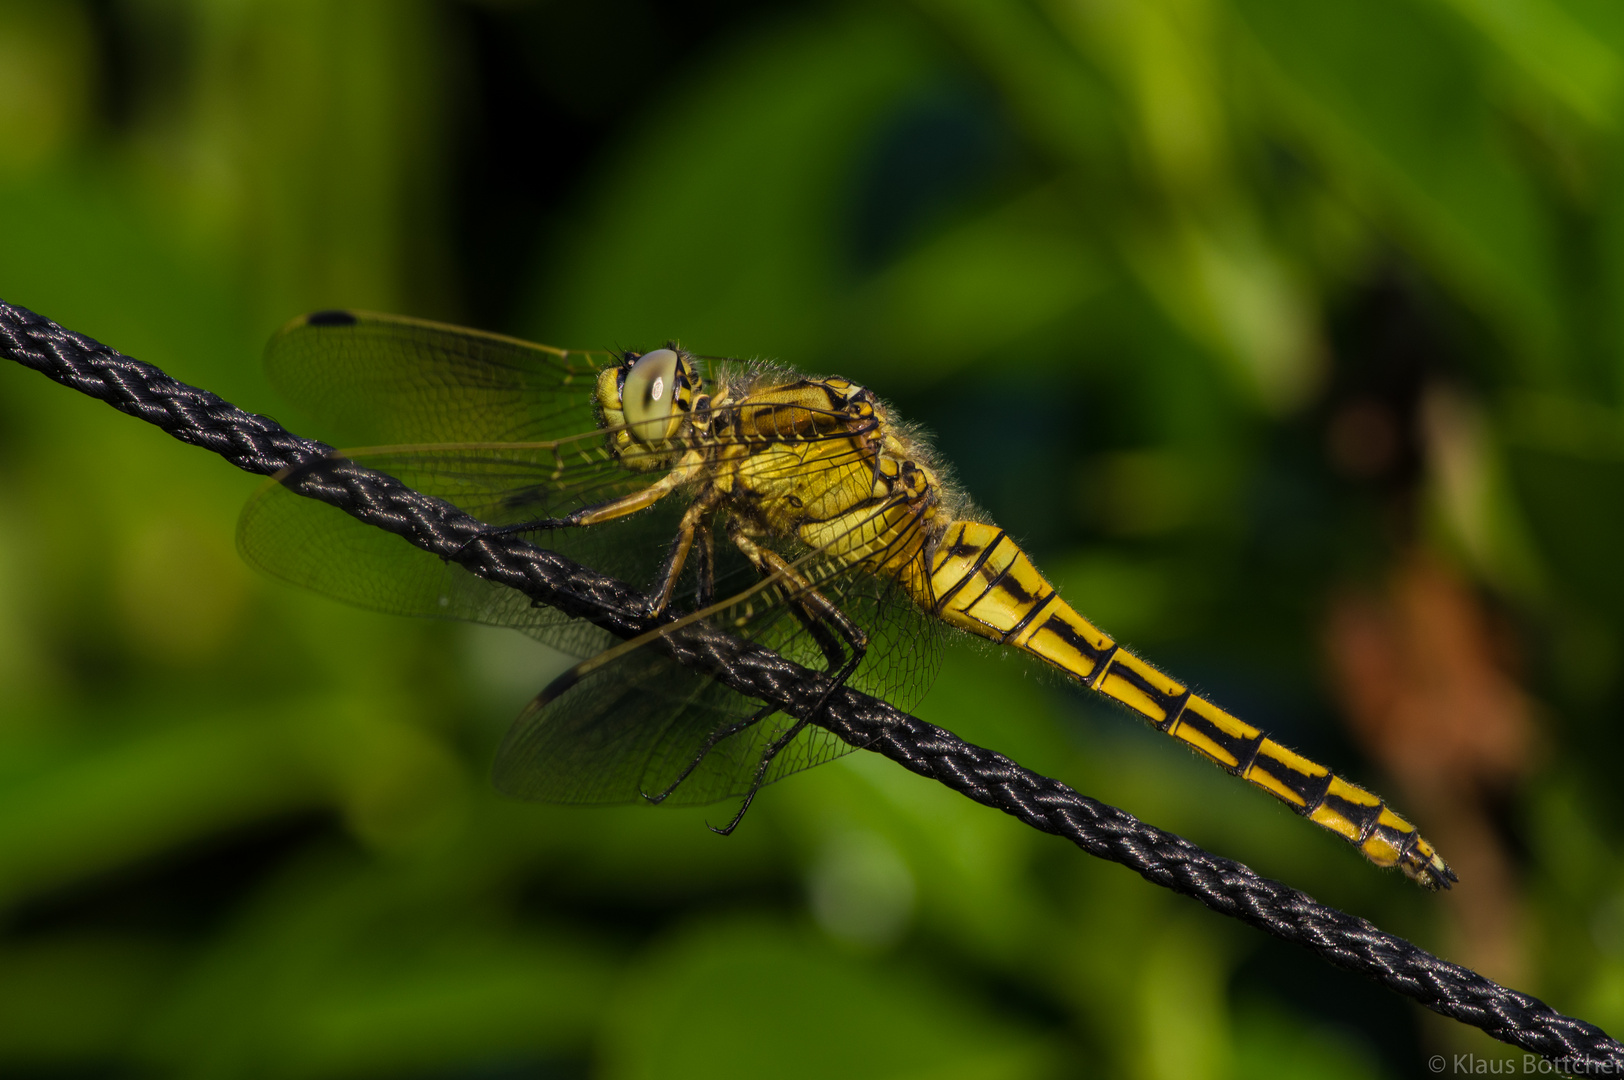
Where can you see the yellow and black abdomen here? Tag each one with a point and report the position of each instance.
(981, 581)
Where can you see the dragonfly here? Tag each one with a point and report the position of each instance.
(796, 512)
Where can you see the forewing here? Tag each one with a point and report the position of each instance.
(372, 380)
(318, 546)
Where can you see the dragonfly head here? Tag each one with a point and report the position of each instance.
(644, 401)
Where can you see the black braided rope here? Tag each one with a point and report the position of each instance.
(260, 445)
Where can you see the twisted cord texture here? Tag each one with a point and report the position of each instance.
(260, 445)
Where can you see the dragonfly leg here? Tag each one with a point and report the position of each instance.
(710, 744)
(696, 521)
(813, 608)
(630, 503)
(772, 752)
(705, 568)
(816, 613)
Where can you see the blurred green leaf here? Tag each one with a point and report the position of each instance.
(1566, 458)
(1384, 92)
(1141, 269)
(746, 999)
(720, 224)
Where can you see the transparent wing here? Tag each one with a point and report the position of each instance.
(636, 724)
(376, 380)
(317, 546)
(373, 380)
(320, 547)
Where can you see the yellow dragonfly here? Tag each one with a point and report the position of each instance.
(797, 512)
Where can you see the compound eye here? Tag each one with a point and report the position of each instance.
(648, 395)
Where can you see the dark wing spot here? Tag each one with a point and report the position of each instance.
(330, 318)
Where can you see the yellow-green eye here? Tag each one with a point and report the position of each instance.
(648, 395)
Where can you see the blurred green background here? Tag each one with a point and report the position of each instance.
(1289, 338)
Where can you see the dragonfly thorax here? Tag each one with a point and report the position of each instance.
(818, 461)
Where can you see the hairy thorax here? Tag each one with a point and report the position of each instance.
(817, 460)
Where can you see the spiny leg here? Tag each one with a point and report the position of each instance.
(773, 750)
(705, 568)
(815, 613)
(832, 653)
(810, 605)
(836, 658)
(767, 564)
(629, 503)
(696, 520)
(710, 743)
